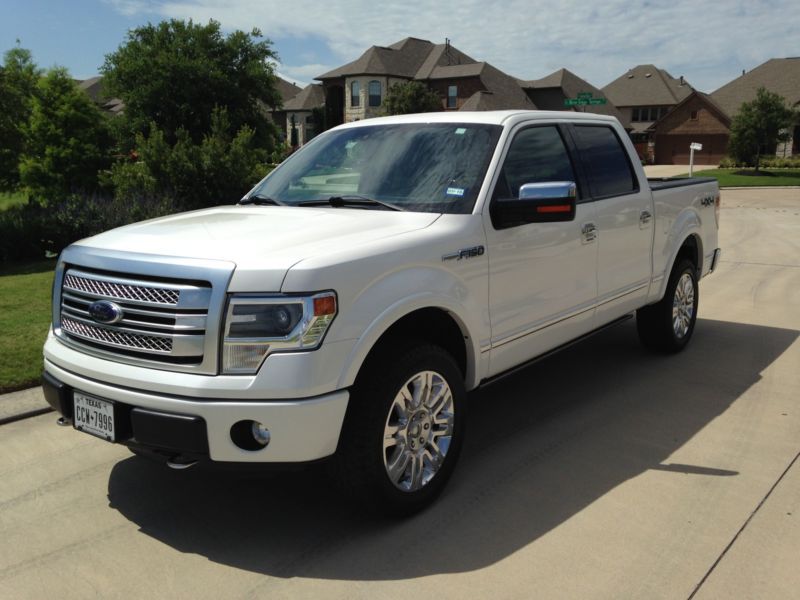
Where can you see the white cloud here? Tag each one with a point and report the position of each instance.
(707, 42)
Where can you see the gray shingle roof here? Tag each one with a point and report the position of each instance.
(779, 75)
(310, 97)
(569, 85)
(502, 92)
(402, 59)
(647, 85)
(286, 90)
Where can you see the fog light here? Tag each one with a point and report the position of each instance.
(250, 435)
(260, 433)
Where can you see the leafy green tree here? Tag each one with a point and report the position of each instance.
(410, 97)
(218, 170)
(759, 126)
(175, 73)
(18, 77)
(66, 140)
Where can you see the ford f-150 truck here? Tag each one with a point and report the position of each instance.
(346, 305)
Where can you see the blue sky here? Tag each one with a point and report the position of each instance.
(708, 43)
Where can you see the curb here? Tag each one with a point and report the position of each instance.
(23, 404)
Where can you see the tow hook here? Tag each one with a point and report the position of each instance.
(179, 463)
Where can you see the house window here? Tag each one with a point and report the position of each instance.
(355, 94)
(636, 115)
(452, 96)
(663, 111)
(693, 115)
(374, 93)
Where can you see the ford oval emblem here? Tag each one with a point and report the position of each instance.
(105, 312)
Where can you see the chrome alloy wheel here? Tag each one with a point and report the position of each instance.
(418, 431)
(683, 306)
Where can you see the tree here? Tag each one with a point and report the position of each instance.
(66, 139)
(18, 77)
(410, 97)
(175, 73)
(218, 170)
(759, 126)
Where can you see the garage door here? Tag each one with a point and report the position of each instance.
(674, 149)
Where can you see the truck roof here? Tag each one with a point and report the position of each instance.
(489, 117)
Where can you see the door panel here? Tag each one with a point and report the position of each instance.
(542, 276)
(625, 220)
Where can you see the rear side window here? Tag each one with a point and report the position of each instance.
(606, 161)
(537, 154)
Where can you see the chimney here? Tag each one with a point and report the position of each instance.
(682, 81)
(743, 72)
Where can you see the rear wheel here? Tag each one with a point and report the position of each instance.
(404, 429)
(668, 325)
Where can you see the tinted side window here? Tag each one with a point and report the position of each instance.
(536, 154)
(605, 161)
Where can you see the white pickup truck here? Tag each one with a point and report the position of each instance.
(343, 309)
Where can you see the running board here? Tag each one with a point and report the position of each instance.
(495, 378)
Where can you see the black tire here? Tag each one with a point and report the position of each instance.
(655, 323)
(361, 465)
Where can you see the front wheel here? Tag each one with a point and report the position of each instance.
(667, 326)
(404, 429)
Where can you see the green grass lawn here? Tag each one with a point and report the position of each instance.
(749, 178)
(24, 320)
(9, 199)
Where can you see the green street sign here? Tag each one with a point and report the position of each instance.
(597, 101)
(576, 101)
(585, 95)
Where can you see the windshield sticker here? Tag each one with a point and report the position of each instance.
(461, 131)
(454, 191)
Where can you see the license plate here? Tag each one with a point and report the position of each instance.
(93, 415)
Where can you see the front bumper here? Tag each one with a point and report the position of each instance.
(301, 430)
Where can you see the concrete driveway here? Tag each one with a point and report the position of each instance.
(603, 472)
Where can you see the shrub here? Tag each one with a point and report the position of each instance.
(32, 230)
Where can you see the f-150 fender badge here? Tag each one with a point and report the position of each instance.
(707, 200)
(465, 253)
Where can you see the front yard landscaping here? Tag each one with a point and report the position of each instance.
(751, 178)
(24, 320)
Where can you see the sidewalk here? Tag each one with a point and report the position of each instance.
(25, 403)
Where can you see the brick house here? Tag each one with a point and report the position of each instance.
(698, 118)
(643, 95)
(706, 118)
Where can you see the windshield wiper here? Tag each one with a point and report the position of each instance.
(348, 201)
(259, 200)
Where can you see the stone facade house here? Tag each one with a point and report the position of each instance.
(300, 124)
(356, 90)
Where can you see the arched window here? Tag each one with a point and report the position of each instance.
(355, 94)
(374, 93)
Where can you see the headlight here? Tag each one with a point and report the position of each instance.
(256, 326)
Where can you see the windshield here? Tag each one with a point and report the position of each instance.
(422, 167)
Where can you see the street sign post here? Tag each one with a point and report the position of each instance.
(584, 99)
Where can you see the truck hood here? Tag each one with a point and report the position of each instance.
(263, 241)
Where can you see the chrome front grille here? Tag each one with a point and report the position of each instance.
(117, 338)
(155, 320)
(109, 289)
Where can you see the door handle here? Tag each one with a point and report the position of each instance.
(644, 218)
(588, 233)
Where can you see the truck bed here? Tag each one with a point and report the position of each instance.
(664, 183)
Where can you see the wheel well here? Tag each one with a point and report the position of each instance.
(433, 325)
(690, 250)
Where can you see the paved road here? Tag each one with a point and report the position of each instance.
(603, 472)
